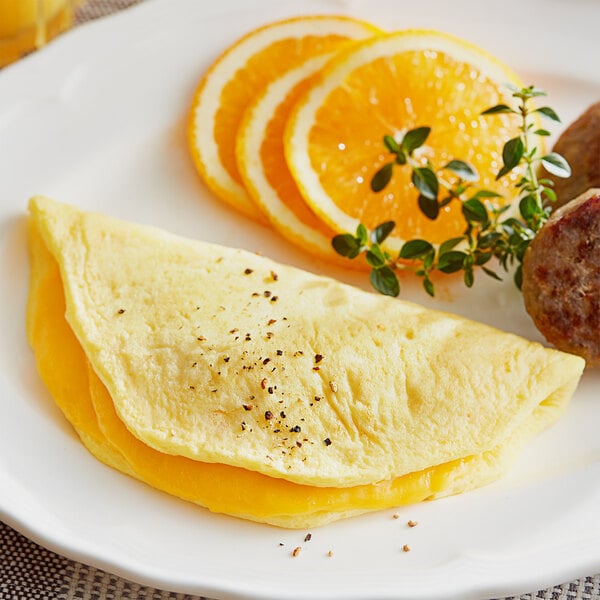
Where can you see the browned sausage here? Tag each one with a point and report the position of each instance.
(561, 278)
(580, 145)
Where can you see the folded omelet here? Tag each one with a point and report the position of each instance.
(263, 391)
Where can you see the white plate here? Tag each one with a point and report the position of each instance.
(98, 119)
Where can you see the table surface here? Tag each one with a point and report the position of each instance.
(29, 571)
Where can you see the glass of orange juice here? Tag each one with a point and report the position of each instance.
(26, 25)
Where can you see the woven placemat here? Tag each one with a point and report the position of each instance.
(30, 572)
(94, 9)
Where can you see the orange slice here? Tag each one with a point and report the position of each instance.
(238, 76)
(263, 168)
(387, 86)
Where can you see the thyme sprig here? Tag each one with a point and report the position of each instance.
(488, 232)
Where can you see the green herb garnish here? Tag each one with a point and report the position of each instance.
(488, 232)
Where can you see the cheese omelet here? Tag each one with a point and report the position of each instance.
(266, 392)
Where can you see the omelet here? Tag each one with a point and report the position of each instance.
(262, 391)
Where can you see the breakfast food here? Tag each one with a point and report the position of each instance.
(580, 145)
(238, 75)
(261, 161)
(391, 84)
(263, 391)
(561, 277)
